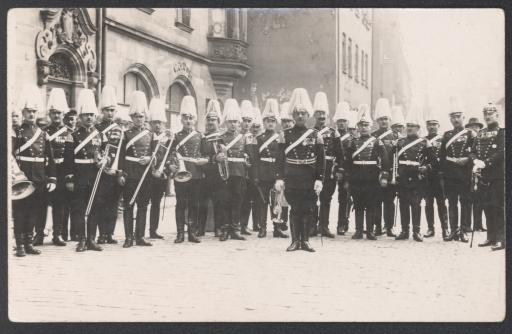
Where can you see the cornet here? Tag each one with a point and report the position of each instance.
(21, 186)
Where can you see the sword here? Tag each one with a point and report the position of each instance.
(318, 217)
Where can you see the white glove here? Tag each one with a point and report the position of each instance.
(50, 187)
(479, 164)
(279, 186)
(318, 186)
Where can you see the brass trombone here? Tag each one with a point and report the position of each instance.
(159, 172)
(113, 169)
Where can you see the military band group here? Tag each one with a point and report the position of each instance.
(270, 164)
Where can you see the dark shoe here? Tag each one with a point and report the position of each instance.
(57, 241)
(417, 236)
(244, 231)
(29, 249)
(378, 230)
(340, 230)
(180, 237)
(142, 242)
(402, 236)
(445, 233)
(463, 237)
(65, 237)
(20, 247)
(358, 235)
(313, 231)
(306, 246)
(81, 246)
(498, 246)
(155, 235)
(102, 239)
(38, 239)
(111, 240)
(262, 233)
(192, 238)
(91, 245)
(430, 233)
(294, 246)
(223, 236)
(128, 242)
(255, 228)
(326, 233)
(389, 233)
(278, 233)
(217, 232)
(235, 236)
(370, 236)
(486, 243)
(452, 236)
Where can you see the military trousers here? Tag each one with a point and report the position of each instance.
(365, 195)
(158, 188)
(187, 201)
(249, 204)
(329, 186)
(386, 204)
(107, 203)
(302, 202)
(230, 203)
(60, 201)
(477, 211)
(142, 201)
(458, 191)
(27, 211)
(211, 186)
(410, 208)
(492, 199)
(433, 191)
(344, 205)
(85, 228)
(262, 206)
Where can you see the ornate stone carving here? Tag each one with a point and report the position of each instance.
(43, 71)
(228, 49)
(60, 67)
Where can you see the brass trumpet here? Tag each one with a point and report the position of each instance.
(21, 186)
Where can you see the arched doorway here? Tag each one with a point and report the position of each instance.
(178, 89)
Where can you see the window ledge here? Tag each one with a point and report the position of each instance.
(183, 26)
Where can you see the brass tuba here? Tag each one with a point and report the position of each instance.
(223, 166)
(21, 186)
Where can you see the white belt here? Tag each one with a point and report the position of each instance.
(329, 157)
(268, 159)
(362, 162)
(31, 159)
(451, 159)
(134, 159)
(58, 160)
(236, 159)
(408, 163)
(84, 161)
(301, 161)
(189, 159)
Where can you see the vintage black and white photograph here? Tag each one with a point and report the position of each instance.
(255, 165)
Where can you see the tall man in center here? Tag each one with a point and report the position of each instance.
(300, 169)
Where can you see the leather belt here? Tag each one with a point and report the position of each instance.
(364, 162)
(134, 159)
(58, 161)
(30, 159)
(301, 161)
(329, 157)
(236, 159)
(408, 163)
(84, 161)
(268, 159)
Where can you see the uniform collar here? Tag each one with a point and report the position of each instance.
(269, 132)
(413, 137)
(90, 129)
(29, 125)
(186, 131)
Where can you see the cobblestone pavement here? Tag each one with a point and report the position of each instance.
(256, 280)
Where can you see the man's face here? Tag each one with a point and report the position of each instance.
(187, 121)
(56, 116)
(15, 119)
(287, 123)
(398, 128)
(432, 128)
(476, 128)
(383, 122)
(108, 113)
(71, 121)
(364, 128)
(87, 119)
(412, 129)
(353, 132)
(232, 125)
(156, 126)
(270, 124)
(300, 116)
(29, 115)
(342, 124)
(138, 120)
(491, 117)
(457, 120)
(320, 118)
(212, 124)
(255, 128)
(246, 123)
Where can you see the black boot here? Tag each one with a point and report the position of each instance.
(223, 235)
(57, 241)
(278, 233)
(81, 245)
(403, 236)
(102, 239)
(486, 243)
(255, 228)
(29, 249)
(417, 236)
(359, 224)
(111, 240)
(20, 247)
(390, 233)
(262, 233)
(370, 235)
(38, 239)
(128, 242)
(340, 230)
(462, 236)
(244, 231)
(91, 245)
(140, 241)
(430, 233)
(445, 233)
(498, 246)
(154, 235)
(192, 237)
(304, 236)
(378, 230)
(235, 236)
(180, 237)
(325, 232)
(358, 235)
(454, 235)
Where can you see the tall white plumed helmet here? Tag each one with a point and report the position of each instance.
(188, 106)
(271, 110)
(320, 103)
(397, 116)
(246, 109)
(256, 116)
(414, 117)
(86, 104)
(300, 100)
(30, 98)
(231, 111)
(157, 110)
(342, 111)
(122, 115)
(364, 114)
(431, 117)
(57, 101)
(285, 111)
(108, 97)
(352, 119)
(138, 103)
(213, 109)
(382, 108)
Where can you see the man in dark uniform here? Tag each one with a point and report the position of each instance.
(414, 157)
(365, 176)
(333, 161)
(300, 169)
(34, 156)
(213, 182)
(434, 187)
(82, 154)
(188, 147)
(265, 165)
(238, 152)
(109, 189)
(341, 118)
(57, 133)
(287, 122)
(137, 150)
(454, 158)
(69, 226)
(386, 194)
(488, 160)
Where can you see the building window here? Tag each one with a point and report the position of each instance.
(344, 53)
(356, 64)
(175, 94)
(366, 70)
(349, 51)
(232, 25)
(183, 16)
(133, 82)
(61, 76)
